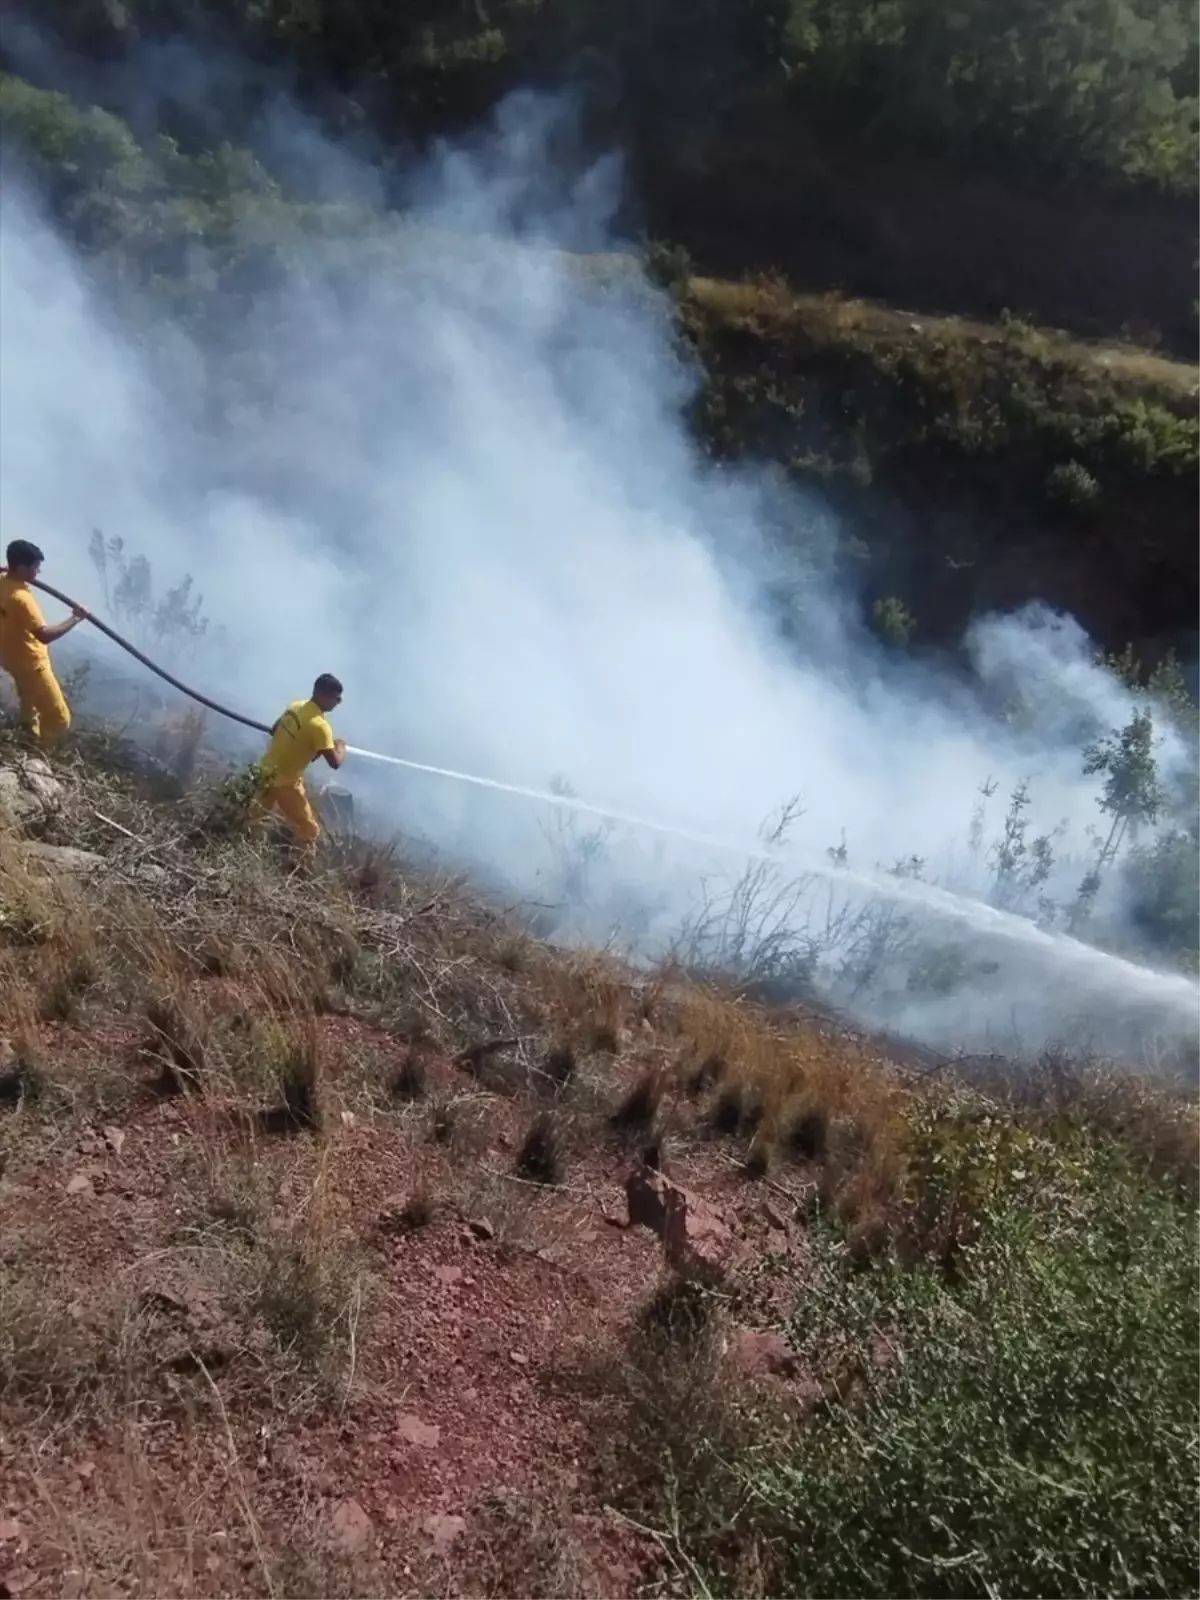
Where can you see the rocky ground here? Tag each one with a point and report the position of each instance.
(353, 1241)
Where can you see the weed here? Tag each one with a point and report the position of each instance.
(806, 1134)
(560, 1066)
(638, 1111)
(680, 1415)
(72, 974)
(48, 1352)
(419, 1210)
(410, 1081)
(300, 1081)
(1072, 486)
(706, 1074)
(681, 1312)
(738, 1109)
(760, 1157)
(542, 1158)
(176, 1041)
(1036, 1435)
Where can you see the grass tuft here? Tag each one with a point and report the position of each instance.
(542, 1158)
(410, 1081)
(638, 1111)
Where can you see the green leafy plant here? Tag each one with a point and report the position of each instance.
(1029, 1427)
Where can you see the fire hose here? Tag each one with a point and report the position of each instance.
(542, 796)
(928, 896)
(111, 633)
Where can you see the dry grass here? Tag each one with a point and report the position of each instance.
(831, 317)
(793, 1094)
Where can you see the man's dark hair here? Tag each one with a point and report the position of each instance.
(327, 684)
(21, 553)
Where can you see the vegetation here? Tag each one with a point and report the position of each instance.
(1028, 1428)
(1076, 89)
(994, 1310)
(340, 1088)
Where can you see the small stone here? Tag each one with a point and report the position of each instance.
(774, 1217)
(71, 1584)
(425, 1435)
(763, 1353)
(349, 1120)
(481, 1228)
(11, 1531)
(114, 1138)
(350, 1527)
(443, 1530)
(518, 1358)
(448, 1275)
(81, 1183)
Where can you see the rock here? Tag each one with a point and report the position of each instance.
(696, 1241)
(761, 1353)
(62, 858)
(448, 1275)
(30, 794)
(481, 1228)
(114, 1138)
(425, 1435)
(443, 1530)
(518, 1358)
(81, 1183)
(775, 1218)
(350, 1528)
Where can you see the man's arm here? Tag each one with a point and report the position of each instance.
(49, 635)
(337, 755)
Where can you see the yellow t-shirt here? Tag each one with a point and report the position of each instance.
(20, 615)
(301, 735)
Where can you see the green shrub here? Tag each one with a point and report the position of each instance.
(1071, 485)
(1162, 884)
(1030, 1429)
(668, 265)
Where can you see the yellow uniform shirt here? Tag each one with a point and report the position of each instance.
(301, 735)
(20, 615)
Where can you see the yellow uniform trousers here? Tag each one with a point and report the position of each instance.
(291, 802)
(44, 709)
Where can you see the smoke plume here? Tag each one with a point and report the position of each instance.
(443, 454)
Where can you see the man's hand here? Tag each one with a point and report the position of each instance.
(339, 749)
(80, 613)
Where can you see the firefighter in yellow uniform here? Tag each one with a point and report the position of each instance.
(24, 638)
(301, 734)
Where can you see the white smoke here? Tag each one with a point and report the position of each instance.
(445, 457)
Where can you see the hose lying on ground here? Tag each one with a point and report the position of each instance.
(193, 694)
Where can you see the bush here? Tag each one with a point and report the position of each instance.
(1162, 885)
(1072, 486)
(668, 265)
(1033, 1430)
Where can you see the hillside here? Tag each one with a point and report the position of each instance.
(314, 1278)
(934, 265)
(365, 1229)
